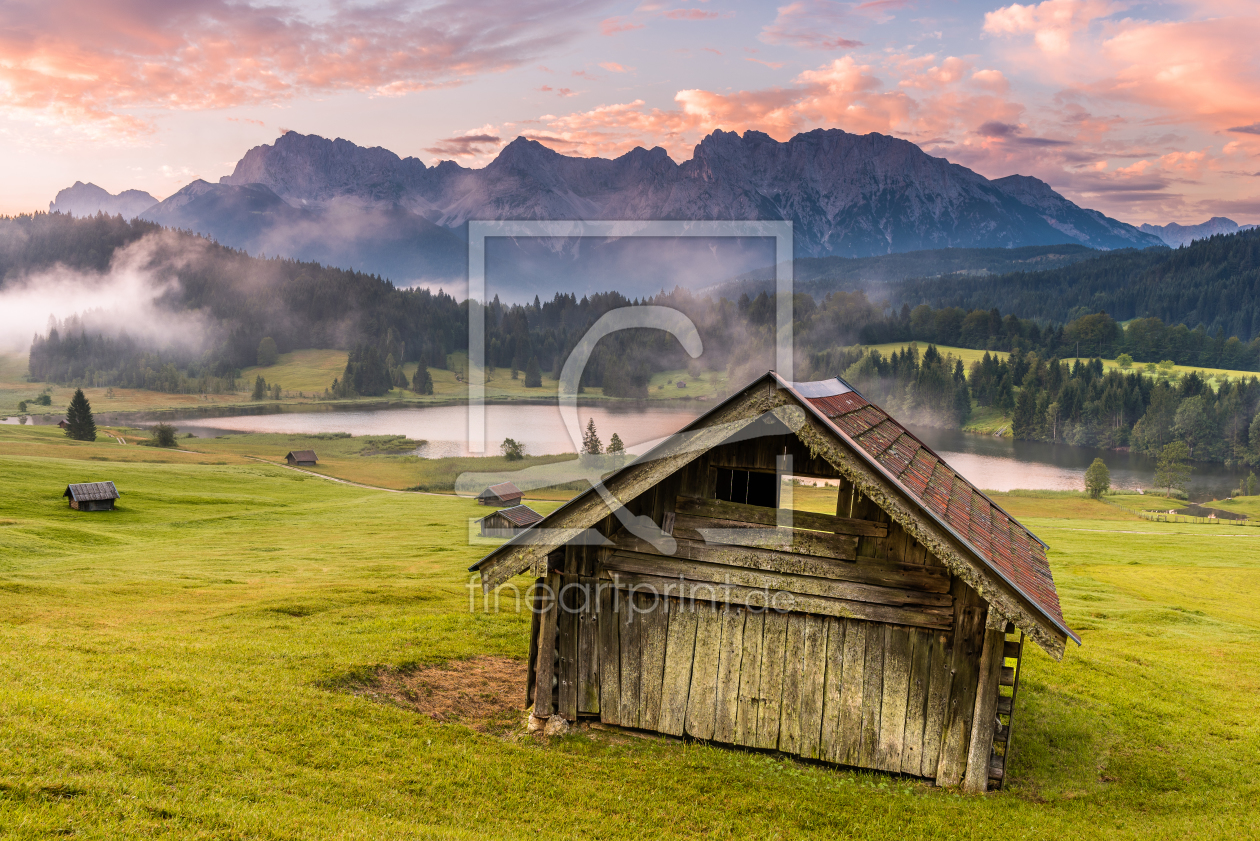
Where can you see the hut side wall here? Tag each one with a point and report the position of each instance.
(872, 658)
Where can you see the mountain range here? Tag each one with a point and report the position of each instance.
(88, 199)
(1178, 235)
(847, 195)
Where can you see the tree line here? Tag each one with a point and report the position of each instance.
(1052, 400)
(1210, 283)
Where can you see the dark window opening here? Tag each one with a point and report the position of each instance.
(747, 486)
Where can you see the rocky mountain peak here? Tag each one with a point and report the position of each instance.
(88, 199)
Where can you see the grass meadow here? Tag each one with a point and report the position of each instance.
(303, 377)
(186, 667)
(968, 355)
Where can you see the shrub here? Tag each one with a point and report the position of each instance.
(1097, 479)
(163, 435)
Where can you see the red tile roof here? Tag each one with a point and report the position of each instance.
(503, 490)
(998, 539)
(521, 516)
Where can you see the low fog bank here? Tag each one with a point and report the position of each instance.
(131, 297)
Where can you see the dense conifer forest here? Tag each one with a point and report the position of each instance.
(1211, 283)
(252, 305)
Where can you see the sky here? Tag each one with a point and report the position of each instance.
(1149, 112)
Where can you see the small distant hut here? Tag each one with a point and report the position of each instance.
(62, 424)
(687, 597)
(92, 496)
(508, 522)
(503, 494)
(302, 458)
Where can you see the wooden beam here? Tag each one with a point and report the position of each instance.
(588, 648)
(872, 695)
(793, 669)
(984, 721)
(893, 714)
(850, 743)
(750, 680)
(760, 515)
(680, 647)
(937, 701)
(702, 697)
(813, 685)
(546, 667)
(652, 640)
(862, 570)
(630, 622)
(774, 643)
(966, 647)
(816, 544)
(609, 656)
(535, 619)
(830, 588)
(833, 688)
(730, 657)
(567, 646)
(704, 592)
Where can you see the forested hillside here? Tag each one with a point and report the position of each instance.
(820, 276)
(1211, 284)
(244, 300)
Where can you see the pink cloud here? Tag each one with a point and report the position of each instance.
(810, 25)
(615, 25)
(690, 14)
(81, 61)
(1053, 23)
(612, 67)
(1200, 70)
(466, 145)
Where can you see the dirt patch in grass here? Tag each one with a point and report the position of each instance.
(486, 693)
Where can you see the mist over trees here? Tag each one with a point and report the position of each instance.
(1210, 283)
(245, 301)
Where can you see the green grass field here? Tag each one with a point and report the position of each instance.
(967, 355)
(184, 667)
(303, 377)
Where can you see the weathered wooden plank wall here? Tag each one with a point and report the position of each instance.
(839, 690)
(876, 664)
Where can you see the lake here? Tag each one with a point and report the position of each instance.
(992, 463)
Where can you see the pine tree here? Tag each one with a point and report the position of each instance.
(1023, 425)
(422, 382)
(268, 354)
(617, 450)
(591, 445)
(533, 375)
(80, 425)
(260, 389)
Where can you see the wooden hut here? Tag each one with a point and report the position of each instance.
(502, 494)
(301, 458)
(92, 496)
(508, 522)
(887, 635)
